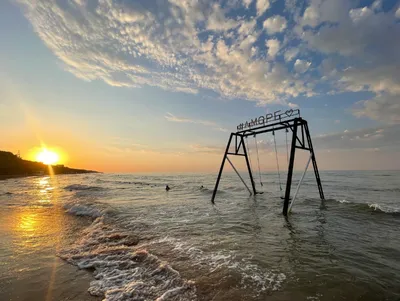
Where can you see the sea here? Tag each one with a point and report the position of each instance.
(124, 237)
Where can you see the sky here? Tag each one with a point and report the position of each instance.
(157, 86)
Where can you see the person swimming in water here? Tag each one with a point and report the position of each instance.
(167, 188)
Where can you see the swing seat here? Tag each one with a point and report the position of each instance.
(259, 192)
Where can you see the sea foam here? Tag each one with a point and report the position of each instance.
(77, 187)
(123, 271)
(82, 209)
(251, 275)
(385, 209)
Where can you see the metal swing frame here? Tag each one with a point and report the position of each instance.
(301, 139)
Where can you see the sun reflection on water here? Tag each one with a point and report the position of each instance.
(44, 181)
(45, 191)
(33, 228)
(28, 222)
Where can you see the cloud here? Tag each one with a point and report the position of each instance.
(217, 20)
(191, 46)
(311, 16)
(397, 14)
(196, 46)
(361, 52)
(247, 3)
(173, 118)
(301, 66)
(262, 6)
(290, 54)
(293, 105)
(387, 138)
(218, 150)
(364, 45)
(360, 14)
(273, 47)
(275, 24)
(384, 107)
(320, 11)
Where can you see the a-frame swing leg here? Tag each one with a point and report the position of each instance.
(221, 169)
(226, 158)
(314, 162)
(248, 166)
(290, 170)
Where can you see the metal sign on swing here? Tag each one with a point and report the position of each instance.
(265, 119)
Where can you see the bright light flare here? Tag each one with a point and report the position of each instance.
(47, 157)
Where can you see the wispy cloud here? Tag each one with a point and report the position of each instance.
(384, 107)
(292, 105)
(387, 138)
(207, 149)
(173, 118)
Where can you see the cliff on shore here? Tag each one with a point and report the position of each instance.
(13, 166)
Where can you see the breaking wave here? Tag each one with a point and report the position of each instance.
(385, 209)
(79, 187)
(122, 271)
(79, 209)
(250, 274)
(375, 207)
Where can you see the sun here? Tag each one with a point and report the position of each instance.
(47, 157)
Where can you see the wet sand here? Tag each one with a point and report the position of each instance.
(29, 240)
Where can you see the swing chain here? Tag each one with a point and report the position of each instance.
(258, 160)
(277, 163)
(287, 148)
(251, 165)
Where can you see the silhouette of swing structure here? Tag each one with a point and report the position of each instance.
(301, 139)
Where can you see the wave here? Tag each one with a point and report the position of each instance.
(79, 187)
(124, 271)
(375, 207)
(118, 182)
(250, 274)
(385, 209)
(83, 209)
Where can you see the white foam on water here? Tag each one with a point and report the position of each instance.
(314, 298)
(81, 209)
(252, 276)
(82, 187)
(264, 280)
(386, 209)
(376, 207)
(123, 271)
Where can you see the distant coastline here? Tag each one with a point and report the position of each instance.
(12, 166)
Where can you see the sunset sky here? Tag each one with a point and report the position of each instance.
(137, 86)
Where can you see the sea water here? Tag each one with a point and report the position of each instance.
(135, 241)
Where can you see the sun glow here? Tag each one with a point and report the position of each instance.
(47, 157)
